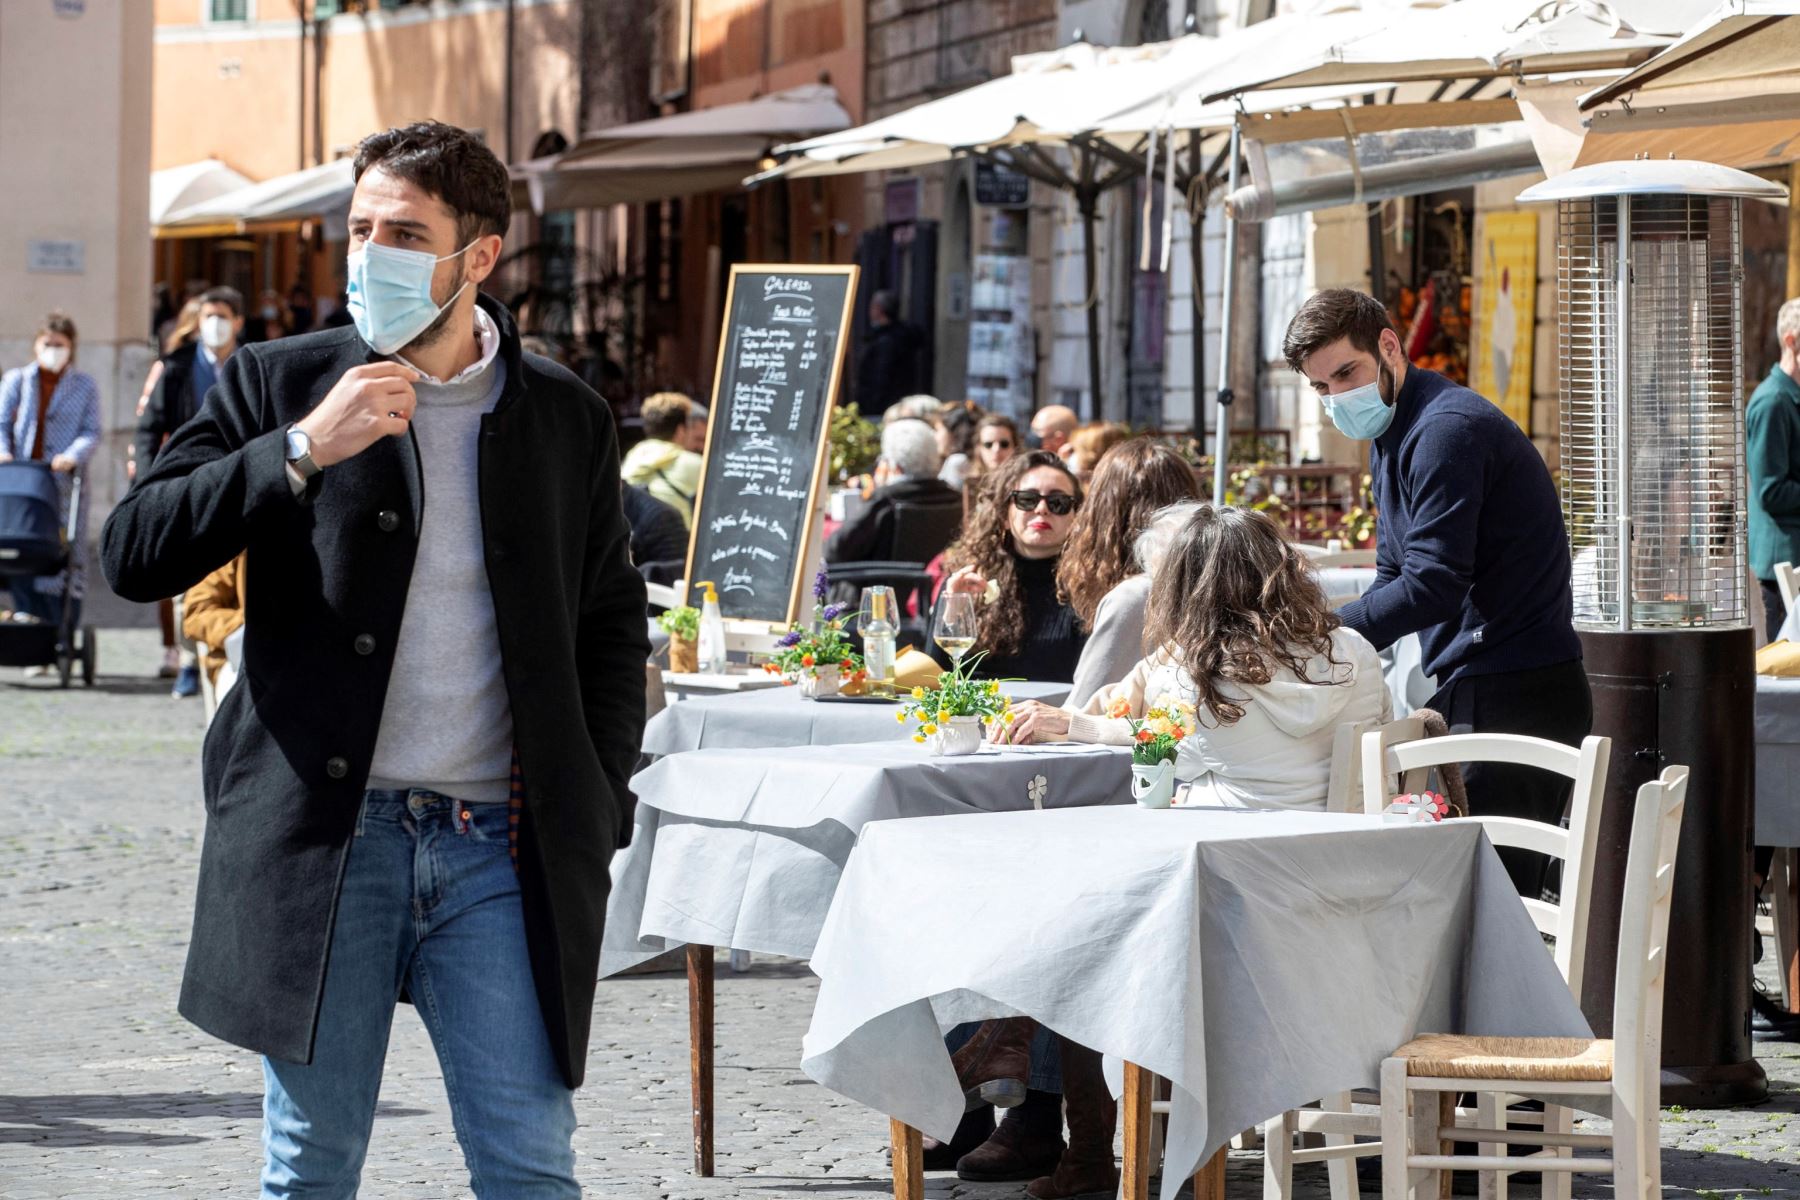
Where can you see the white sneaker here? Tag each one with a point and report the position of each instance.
(36, 672)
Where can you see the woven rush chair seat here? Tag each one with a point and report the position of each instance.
(1546, 1059)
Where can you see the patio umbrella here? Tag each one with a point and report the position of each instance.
(700, 151)
(316, 192)
(175, 188)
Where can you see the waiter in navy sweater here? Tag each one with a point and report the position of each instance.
(1471, 551)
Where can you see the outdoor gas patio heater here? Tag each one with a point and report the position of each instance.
(1650, 320)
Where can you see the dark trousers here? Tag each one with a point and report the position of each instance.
(1774, 609)
(1549, 702)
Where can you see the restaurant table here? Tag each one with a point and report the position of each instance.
(1256, 959)
(781, 716)
(1778, 816)
(743, 847)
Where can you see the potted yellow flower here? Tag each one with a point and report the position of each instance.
(1154, 740)
(950, 713)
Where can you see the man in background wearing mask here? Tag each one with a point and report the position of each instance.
(188, 373)
(417, 785)
(1471, 551)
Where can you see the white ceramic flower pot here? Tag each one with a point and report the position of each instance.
(958, 735)
(819, 681)
(1153, 786)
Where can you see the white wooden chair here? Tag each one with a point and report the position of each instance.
(1388, 755)
(1788, 580)
(1420, 1080)
(662, 595)
(1341, 558)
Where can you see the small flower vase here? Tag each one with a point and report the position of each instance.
(1153, 785)
(958, 735)
(684, 654)
(819, 681)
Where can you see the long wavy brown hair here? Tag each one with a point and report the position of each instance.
(987, 545)
(1132, 482)
(1234, 602)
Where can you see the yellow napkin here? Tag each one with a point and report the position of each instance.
(1779, 658)
(914, 668)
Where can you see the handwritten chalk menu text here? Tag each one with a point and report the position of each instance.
(781, 354)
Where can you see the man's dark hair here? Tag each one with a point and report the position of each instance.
(230, 297)
(449, 163)
(887, 302)
(1332, 314)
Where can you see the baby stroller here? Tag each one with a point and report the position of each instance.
(33, 542)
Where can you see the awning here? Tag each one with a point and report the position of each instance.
(175, 188)
(1477, 39)
(704, 150)
(322, 192)
(1743, 48)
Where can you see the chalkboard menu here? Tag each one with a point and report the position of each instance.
(781, 355)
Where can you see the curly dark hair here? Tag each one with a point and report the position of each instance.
(449, 163)
(1233, 602)
(1132, 482)
(987, 545)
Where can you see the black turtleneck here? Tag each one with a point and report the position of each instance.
(1053, 635)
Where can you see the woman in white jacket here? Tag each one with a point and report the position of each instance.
(1242, 631)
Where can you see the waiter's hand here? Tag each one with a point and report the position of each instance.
(369, 403)
(1033, 721)
(63, 463)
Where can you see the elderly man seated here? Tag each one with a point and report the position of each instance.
(912, 514)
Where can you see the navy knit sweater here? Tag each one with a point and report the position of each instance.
(1470, 545)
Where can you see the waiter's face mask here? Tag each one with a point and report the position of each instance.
(1366, 411)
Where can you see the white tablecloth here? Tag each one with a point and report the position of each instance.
(783, 717)
(1258, 959)
(1777, 761)
(744, 847)
(1402, 663)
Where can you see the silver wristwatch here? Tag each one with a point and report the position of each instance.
(299, 453)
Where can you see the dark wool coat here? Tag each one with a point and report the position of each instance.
(288, 754)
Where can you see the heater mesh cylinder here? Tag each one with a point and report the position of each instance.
(1652, 425)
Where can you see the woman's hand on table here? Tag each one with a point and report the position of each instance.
(1033, 721)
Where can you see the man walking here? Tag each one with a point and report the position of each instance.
(188, 373)
(417, 784)
(889, 364)
(1471, 551)
(1772, 448)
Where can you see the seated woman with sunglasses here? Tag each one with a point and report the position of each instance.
(1012, 540)
(1244, 633)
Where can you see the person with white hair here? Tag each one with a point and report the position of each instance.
(912, 514)
(912, 408)
(1772, 452)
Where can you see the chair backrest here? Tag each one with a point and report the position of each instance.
(912, 589)
(1345, 792)
(923, 527)
(1788, 580)
(662, 595)
(1643, 944)
(1566, 920)
(1341, 558)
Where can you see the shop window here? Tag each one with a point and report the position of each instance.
(227, 10)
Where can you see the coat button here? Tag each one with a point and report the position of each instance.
(337, 768)
(388, 520)
(365, 644)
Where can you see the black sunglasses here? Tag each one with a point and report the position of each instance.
(1061, 504)
(1006, 445)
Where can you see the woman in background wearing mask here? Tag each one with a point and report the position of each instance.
(188, 373)
(271, 320)
(50, 412)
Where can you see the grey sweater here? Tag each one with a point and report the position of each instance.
(1117, 642)
(447, 724)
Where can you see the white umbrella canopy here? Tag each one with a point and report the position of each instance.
(176, 188)
(703, 150)
(321, 191)
(1476, 39)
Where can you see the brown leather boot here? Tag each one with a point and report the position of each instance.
(1028, 1143)
(993, 1065)
(975, 1129)
(1086, 1167)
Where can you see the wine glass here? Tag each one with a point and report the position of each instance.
(954, 626)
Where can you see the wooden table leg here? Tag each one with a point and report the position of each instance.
(1785, 890)
(700, 1054)
(1209, 1180)
(1135, 1182)
(909, 1161)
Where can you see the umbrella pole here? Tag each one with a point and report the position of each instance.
(1089, 200)
(1222, 438)
(1197, 257)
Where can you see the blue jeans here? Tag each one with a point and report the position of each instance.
(430, 900)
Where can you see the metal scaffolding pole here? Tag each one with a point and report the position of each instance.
(1222, 436)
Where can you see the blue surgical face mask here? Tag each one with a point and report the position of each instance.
(389, 294)
(1361, 413)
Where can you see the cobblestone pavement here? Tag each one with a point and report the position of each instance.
(105, 1092)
